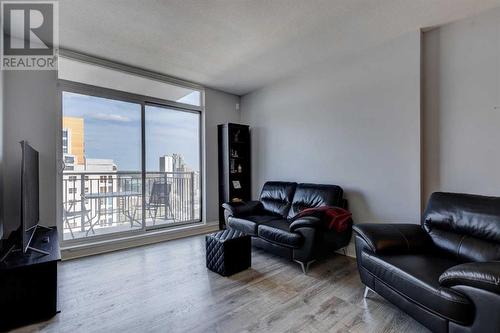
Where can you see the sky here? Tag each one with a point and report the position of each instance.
(113, 131)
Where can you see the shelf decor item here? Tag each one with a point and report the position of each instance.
(234, 165)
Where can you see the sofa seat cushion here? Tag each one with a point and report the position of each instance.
(248, 224)
(417, 278)
(276, 231)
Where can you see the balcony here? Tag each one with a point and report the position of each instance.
(99, 203)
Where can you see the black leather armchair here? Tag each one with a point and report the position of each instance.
(394, 238)
(270, 221)
(445, 272)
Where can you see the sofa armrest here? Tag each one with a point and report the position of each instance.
(394, 237)
(482, 275)
(306, 222)
(242, 208)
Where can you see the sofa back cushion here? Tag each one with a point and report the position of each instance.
(276, 197)
(315, 195)
(465, 226)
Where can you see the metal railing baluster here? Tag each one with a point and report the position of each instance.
(181, 205)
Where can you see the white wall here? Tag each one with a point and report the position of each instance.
(354, 123)
(219, 108)
(461, 89)
(30, 114)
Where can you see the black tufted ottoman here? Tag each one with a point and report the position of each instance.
(228, 252)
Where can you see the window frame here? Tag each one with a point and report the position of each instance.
(142, 100)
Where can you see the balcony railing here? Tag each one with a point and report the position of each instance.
(96, 203)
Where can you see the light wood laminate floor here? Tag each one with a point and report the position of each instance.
(166, 288)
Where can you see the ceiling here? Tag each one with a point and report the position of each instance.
(238, 46)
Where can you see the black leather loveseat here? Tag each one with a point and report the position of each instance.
(445, 273)
(268, 221)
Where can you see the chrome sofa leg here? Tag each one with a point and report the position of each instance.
(367, 290)
(304, 266)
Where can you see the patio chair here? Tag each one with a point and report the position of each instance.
(70, 214)
(160, 197)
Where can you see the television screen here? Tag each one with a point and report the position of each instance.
(29, 193)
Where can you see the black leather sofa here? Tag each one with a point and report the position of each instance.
(268, 221)
(445, 273)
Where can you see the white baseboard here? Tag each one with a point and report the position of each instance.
(350, 250)
(89, 249)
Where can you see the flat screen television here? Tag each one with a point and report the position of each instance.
(30, 214)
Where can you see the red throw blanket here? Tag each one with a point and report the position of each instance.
(334, 217)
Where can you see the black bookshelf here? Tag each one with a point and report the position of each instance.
(234, 165)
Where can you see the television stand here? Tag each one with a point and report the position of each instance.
(28, 282)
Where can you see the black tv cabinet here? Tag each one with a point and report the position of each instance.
(28, 282)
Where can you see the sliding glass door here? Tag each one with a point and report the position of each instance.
(102, 183)
(172, 141)
(129, 165)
